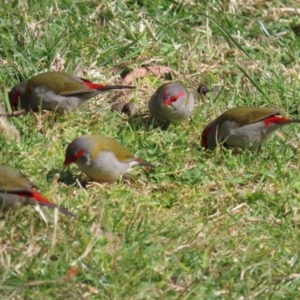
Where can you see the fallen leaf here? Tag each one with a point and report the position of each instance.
(145, 71)
(72, 272)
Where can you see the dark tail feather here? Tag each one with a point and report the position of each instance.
(287, 122)
(43, 201)
(115, 87)
(144, 163)
(64, 211)
(60, 209)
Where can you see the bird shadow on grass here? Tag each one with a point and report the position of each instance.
(66, 176)
(146, 122)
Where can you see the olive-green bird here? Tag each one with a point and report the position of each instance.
(243, 127)
(16, 190)
(101, 158)
(56, 91)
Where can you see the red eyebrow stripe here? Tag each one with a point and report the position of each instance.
(204, 137)
(74, 157)
(14, 99)
(168, 100)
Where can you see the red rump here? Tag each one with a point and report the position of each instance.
(275, 120)
(92, 85)
(35, 195)
(101, 87)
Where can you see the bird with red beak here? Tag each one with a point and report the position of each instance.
(172, 103)
(244, 127)
(101, 158)
(56, 91)
(16, 190)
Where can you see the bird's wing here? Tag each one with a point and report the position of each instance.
(249, 115)
(14, 183)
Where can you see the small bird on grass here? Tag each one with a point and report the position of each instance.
(243, 127)
(172, 103)
(56, 91)
(101, 158)
(16, 190)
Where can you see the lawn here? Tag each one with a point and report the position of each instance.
(200, 225)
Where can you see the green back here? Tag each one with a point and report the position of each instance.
(10, 180)
(60, 82)
(247, 115)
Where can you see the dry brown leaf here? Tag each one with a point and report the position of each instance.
(145, 71)
(72, 272)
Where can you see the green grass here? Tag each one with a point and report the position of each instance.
(200, 225)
